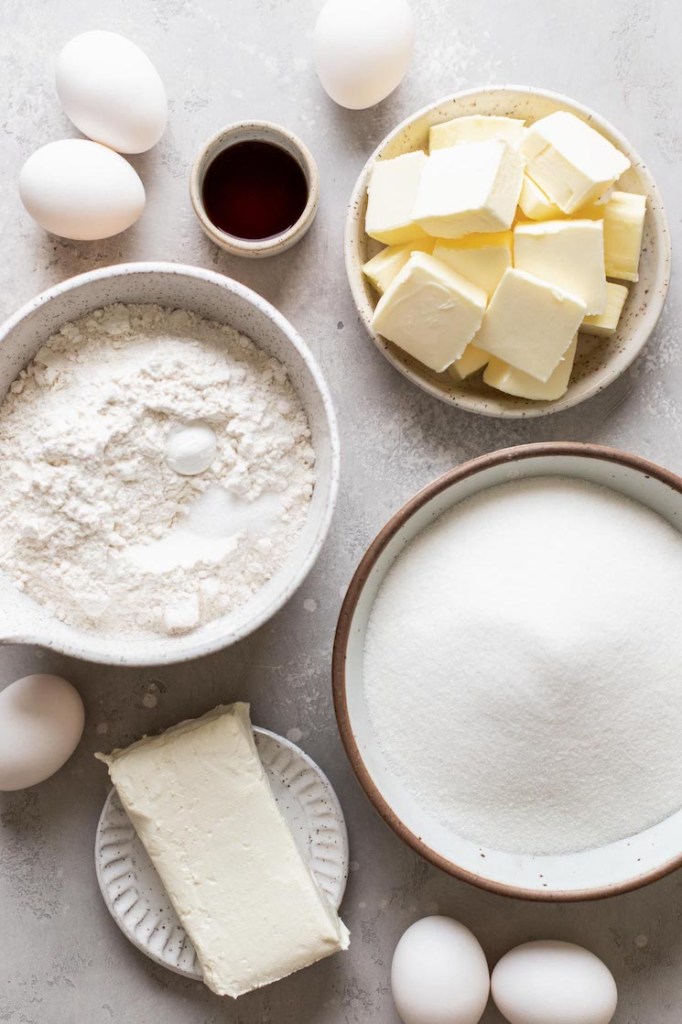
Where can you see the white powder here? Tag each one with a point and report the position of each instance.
(94, 521)
(523, 668)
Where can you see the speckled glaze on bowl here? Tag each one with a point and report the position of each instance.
(590, 874)
(599, 361)
(217, 298)
(258, 131)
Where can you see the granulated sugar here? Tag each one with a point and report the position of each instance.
(523, 667)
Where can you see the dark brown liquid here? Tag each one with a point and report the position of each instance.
(254, 190)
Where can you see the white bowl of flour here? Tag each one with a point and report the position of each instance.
(168, 461)
(506, 672)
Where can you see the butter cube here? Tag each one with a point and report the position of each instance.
(530, 324)
(623, 229)
(514, 382)
(469, 188)
(572, 163)
(383, 267)
(471, 360)
(535, 204)
(482, 259)
(567, 253)
(603, 325)
(475, 128)
(391, 194)
(430, 312)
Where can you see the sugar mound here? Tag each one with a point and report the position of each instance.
(522, 667)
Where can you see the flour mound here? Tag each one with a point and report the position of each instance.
(96, 525)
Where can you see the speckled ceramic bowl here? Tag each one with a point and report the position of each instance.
(258, 131)
(598, 361)
(590, 874)
(217, 298)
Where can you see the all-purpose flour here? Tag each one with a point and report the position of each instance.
(523, 667)
(94, 521)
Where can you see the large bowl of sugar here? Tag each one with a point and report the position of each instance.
(598, 362)
(217, 348)
(506, 672)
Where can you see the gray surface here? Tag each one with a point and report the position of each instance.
(63, 959)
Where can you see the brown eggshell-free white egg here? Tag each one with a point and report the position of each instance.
(111, 91)
(41, 722)
(551, 982)
(439, 974)
(81, 190)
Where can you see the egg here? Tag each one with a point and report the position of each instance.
(363, 49)
(78, 189)
(439, 974)
(41, 722)
(111, 91)
(553, 983)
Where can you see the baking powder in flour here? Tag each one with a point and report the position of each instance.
(523, 668)
(96, 524)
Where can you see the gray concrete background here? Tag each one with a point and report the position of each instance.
(62, 959)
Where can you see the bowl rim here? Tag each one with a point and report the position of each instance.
(88, 649)
(503, 456)
(473, 403)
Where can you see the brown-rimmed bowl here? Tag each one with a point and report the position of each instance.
(591, 874)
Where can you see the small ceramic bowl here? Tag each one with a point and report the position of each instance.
(589, 874)
(598, 361)
(255, 131)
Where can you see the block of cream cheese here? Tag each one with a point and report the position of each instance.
(383, 267)
(623, 229)
(201, 803)
(391, 195)
(603, 325)
(430, 312)
(475, 128)
(469, 188)
(471, 360)
(515, 382)
(535, 204)
(568, 253)
(482, 259)
(530, 324)
(572, 163)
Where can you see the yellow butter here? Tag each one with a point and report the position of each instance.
(603, 325)
(481, 258)
(383, 267)
(506, 378)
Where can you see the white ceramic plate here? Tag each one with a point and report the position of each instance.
(618, 867)
(599, 361)
(218, 298)
(132, 889)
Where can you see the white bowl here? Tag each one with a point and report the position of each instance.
(217, 298)
(598, 362)
(615, 868)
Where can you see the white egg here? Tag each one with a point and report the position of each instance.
(41, 722)
(362, 49)
(191, 449)
(553, 983)
(78, 189)
(111, 91)
(439, 974)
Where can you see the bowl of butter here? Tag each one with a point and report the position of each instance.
(508, 251)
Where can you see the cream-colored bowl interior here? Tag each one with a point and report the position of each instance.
(598, 361)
